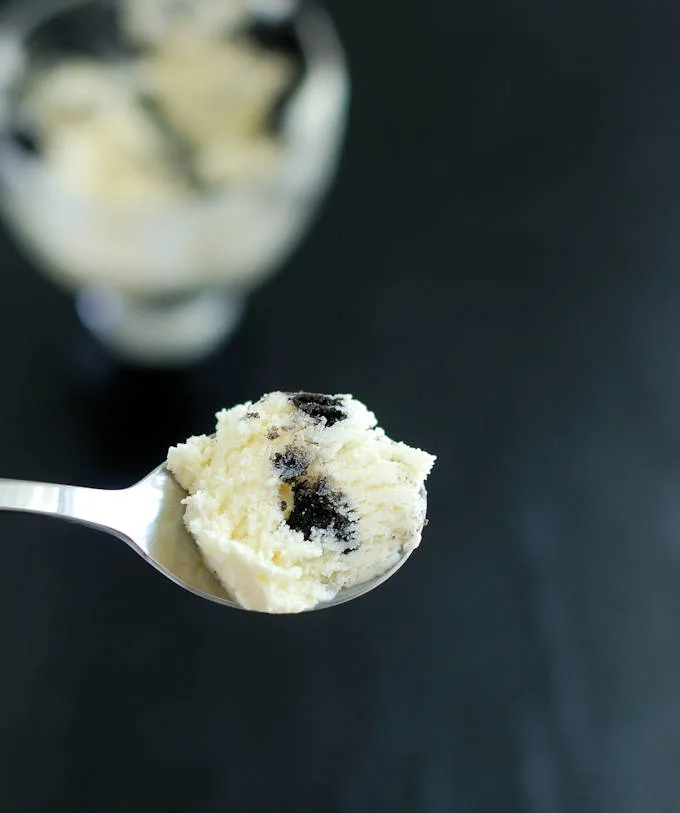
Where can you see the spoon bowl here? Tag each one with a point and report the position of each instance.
(148, 516)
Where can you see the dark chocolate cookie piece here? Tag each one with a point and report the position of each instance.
(320, 407)
(316, 505)
(292, 462)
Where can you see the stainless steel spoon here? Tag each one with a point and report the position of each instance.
(149, 517)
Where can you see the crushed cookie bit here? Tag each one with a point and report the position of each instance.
(291, 463)
(327, 408)
(316, 505)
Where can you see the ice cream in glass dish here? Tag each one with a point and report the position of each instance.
(161, 159)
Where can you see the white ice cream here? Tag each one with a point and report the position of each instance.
(299, 495)
(104, 126)
(148, 22)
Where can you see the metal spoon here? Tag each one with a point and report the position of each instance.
(149, 517)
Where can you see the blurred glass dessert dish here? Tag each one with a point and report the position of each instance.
(161, 159)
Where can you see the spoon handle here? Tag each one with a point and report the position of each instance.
(89, 506)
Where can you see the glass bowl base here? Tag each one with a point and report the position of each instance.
(164, 331)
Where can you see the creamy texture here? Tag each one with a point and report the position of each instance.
(96, 140)
(299, 495)
(148, 22)
(188, 114)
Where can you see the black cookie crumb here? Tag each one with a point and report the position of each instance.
(252, 415)
(318, 406)
(283, 505)
(316, 505)
(292, 462)
(26, 139)
(273, 433)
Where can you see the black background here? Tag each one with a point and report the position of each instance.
(497, 275)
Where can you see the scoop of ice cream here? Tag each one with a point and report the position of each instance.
(148, 21)
(96, 138)
(217, 94)
(188, 113)
(299, 495)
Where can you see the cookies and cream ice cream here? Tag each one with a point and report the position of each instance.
(299, 495)
(148, 22)
(192, 154)
(184, 117)
(162, 158)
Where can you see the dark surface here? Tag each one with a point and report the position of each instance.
(497, 275)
